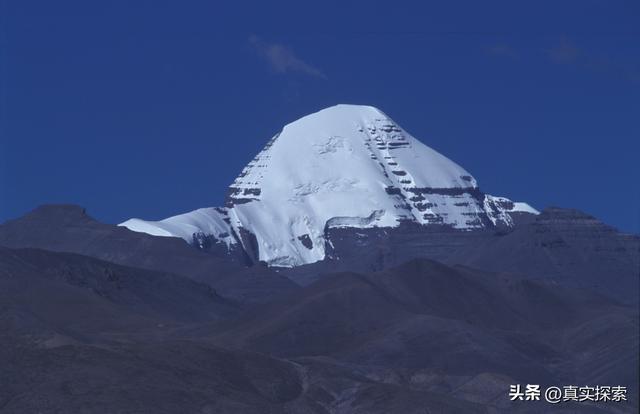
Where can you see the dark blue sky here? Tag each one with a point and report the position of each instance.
(151, 108)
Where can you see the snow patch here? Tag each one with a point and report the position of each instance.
(208, 221)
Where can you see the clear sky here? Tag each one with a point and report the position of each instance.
(151, 108)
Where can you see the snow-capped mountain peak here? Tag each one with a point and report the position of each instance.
(344, 166)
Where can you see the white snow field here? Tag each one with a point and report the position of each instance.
(344, 166)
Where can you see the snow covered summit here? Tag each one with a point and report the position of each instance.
(344, 166)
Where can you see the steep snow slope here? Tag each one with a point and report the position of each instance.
(192, 226)
(344, 166)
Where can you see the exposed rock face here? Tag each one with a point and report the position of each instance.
(569, 247)
(346, 166)
(564, 246)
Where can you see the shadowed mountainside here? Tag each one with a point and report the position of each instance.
(84, 334)
(68, 228)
